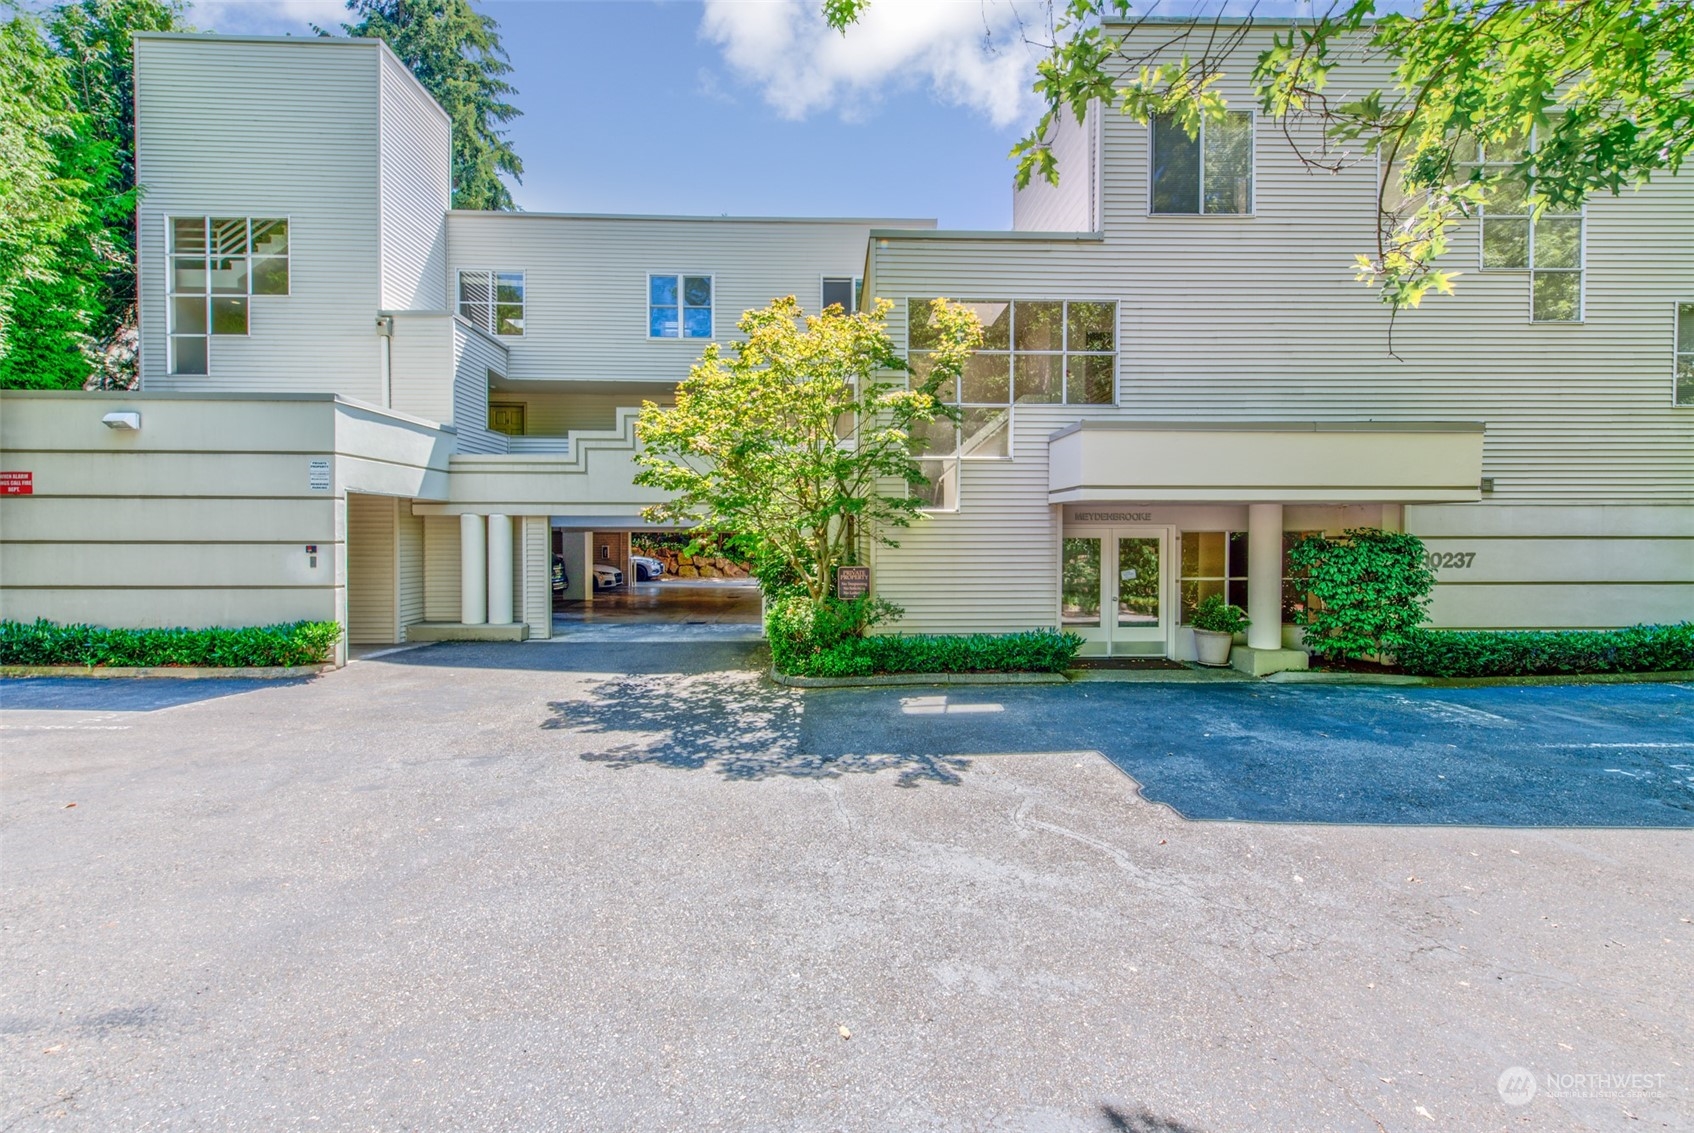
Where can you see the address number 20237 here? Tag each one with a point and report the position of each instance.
(1457, 560)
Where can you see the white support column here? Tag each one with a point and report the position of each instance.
(1264, 576)
(473, 570)
(500, 569)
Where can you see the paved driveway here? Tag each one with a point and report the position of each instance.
(628, 885)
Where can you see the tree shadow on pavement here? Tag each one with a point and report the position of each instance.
(733, 723)
(1141, 1121)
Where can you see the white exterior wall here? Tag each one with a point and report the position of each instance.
(586, 281)
(1073, 205)
(421, 357)
(227, 126)
(373, 599)
(1259, 318)
(416, 179)
(475, 357)
(203, 517)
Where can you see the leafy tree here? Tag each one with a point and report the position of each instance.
(1371, 588)
(792, 441)
(94, 39)
(47, 168)
(455, 52)
(1604, 87)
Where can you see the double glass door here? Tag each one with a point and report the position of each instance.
(1114, 590)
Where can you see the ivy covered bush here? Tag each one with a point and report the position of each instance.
(1371, 590)
(49, 643)
(1503, 653)
(826, 639)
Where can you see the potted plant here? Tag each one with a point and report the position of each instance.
(1215, 623)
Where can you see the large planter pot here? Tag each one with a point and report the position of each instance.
(1212, 647)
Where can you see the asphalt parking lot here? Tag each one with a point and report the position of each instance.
(632, 885)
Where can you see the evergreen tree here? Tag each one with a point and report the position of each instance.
(455, 52)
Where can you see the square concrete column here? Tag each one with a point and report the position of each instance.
(500, 569)
(473, 570)
(1264, 575)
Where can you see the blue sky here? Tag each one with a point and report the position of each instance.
(753, 107)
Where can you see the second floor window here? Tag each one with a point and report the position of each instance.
(1685, 354)
(844, 292)
(217, 264)
(1548, 247)
(493, 300)
(679, 306)
(1210, 173)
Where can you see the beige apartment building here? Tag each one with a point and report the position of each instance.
(357, 403)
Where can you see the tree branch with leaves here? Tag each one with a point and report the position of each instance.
(1605, 88)
(794, 441)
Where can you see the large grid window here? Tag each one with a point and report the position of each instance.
(493, 300)
(217, 264)
(1685, 354)
(1208, 174)
(679, 306)
(1034, 352)
(1215, 562)
(1548, 247)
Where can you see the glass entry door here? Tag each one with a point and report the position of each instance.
(1113, 587)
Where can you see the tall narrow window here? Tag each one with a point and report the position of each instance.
(1685, 354)
(679, 306)
(1548, 247)
(846, 293)
(493, 301)
(217, 264)
(1208, 174)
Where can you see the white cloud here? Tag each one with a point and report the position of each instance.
(970, 53)
(268, 17)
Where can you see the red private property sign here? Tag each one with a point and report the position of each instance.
(17, 483)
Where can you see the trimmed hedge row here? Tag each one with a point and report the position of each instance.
(1512, 653)
(48, 643)
(1034, 651)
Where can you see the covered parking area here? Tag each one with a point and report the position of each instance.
(621, 570)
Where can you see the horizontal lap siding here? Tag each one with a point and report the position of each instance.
(254, 129)
(416, 190)
(409, 535)
(474, 358)
(586, 282)
(371, 561)
(441, 568)
(1260, 318)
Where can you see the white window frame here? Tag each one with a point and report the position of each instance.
(1679, 350)
(494, 275)
(1529, 268)
(950, 501)
(170, 282)
(681, 324)
(858, 284)
(1200, 140)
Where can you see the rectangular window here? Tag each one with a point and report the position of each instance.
(1033, 352)
(1213, 562)
(679, 306)
(1209, 174)
(217, 264)
(846, 293)
(1548, 247)
(1685, 354)
(493, 301)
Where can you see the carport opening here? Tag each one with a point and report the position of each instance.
(615, 574)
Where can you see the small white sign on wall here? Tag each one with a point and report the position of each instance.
(317, 475)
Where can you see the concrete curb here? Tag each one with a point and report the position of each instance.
(1162, 676)
(898, 680)
(1390, 679)
(178, 672)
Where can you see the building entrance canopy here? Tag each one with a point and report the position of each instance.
(1281, 461)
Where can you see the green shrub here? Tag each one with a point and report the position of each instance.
(1217, 616)
(1372, 589)
(48, 643)
(1510, 653)
(827, 639)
